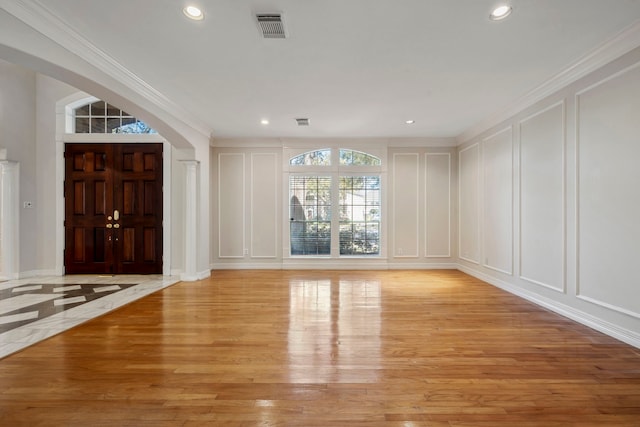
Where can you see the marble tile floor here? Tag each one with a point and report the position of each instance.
(34, 309)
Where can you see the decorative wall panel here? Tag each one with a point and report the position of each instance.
(469, 181)
(608, 203)
(231, 204)
(264, 199)
(405, 204)
(498, 201)
(542, 171)
(438, 205)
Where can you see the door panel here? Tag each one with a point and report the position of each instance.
(113, 208)
(87, 200)
(138, 193)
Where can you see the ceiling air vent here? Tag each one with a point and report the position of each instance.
(303, 122)
(271, 25)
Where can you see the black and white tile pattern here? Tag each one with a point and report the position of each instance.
(32, 310)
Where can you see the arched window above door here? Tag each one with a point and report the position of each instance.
(101, 117)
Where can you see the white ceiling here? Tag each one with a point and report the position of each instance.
(356, 68)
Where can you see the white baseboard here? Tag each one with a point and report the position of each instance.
(318, 264)
(625, 335)
(36, 273)
(424, 266)
(195, 277)
(204, 274)
(246, 266)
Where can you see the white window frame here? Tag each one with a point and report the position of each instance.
(335, 170)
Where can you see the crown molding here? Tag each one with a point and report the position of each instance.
(620, 44)
(37, 16)
(426, 142)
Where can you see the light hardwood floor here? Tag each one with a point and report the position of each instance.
(325, 348)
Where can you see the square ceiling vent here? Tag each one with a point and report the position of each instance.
(271, 25)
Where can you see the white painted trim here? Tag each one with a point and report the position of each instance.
(610, 306)
(184, 277)
(190, 219)
(35, 273)
(426, 204)
(244, 205)
(544, 285)
(275, 207)
(166, 208)
(477, 146)
(426, 142)
(628, 336)
(112, 138)
(203, 274)
(394, 252)
(562, 103)
(10, 218)
(486, 141)
(36, 15)
(620, 44)
(330, 264)
(607, 79)
(577, 96)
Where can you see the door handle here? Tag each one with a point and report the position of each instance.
(116, 225)
(110, 225)
(116, 215)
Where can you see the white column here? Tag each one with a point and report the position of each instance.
(9, 219)
(190, 221)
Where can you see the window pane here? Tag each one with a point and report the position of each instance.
(313, 158)
(357, 158)
(310, 215)
(360, 215)
(97, 125)
(113, 111)
(98, 108)
(82, 111)
(107, 118)
(113, 125)
(82, 125)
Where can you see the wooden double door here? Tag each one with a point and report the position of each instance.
(113, 208)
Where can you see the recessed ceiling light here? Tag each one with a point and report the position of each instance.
(409, 122)
(264, 121)
(193, 12)
(500, 12)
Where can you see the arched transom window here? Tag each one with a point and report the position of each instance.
(102, 117)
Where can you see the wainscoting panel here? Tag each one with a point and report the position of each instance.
(231, 204)
(264, 205)
(497, 216)
(438, 205)
(608, 203)
(469, 181)
(405, 205)
(542, 193)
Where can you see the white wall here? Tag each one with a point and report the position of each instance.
(559, 207)
(246, 206)
(422, 198)
(18, 136)
(248, 228)
(48, 92)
